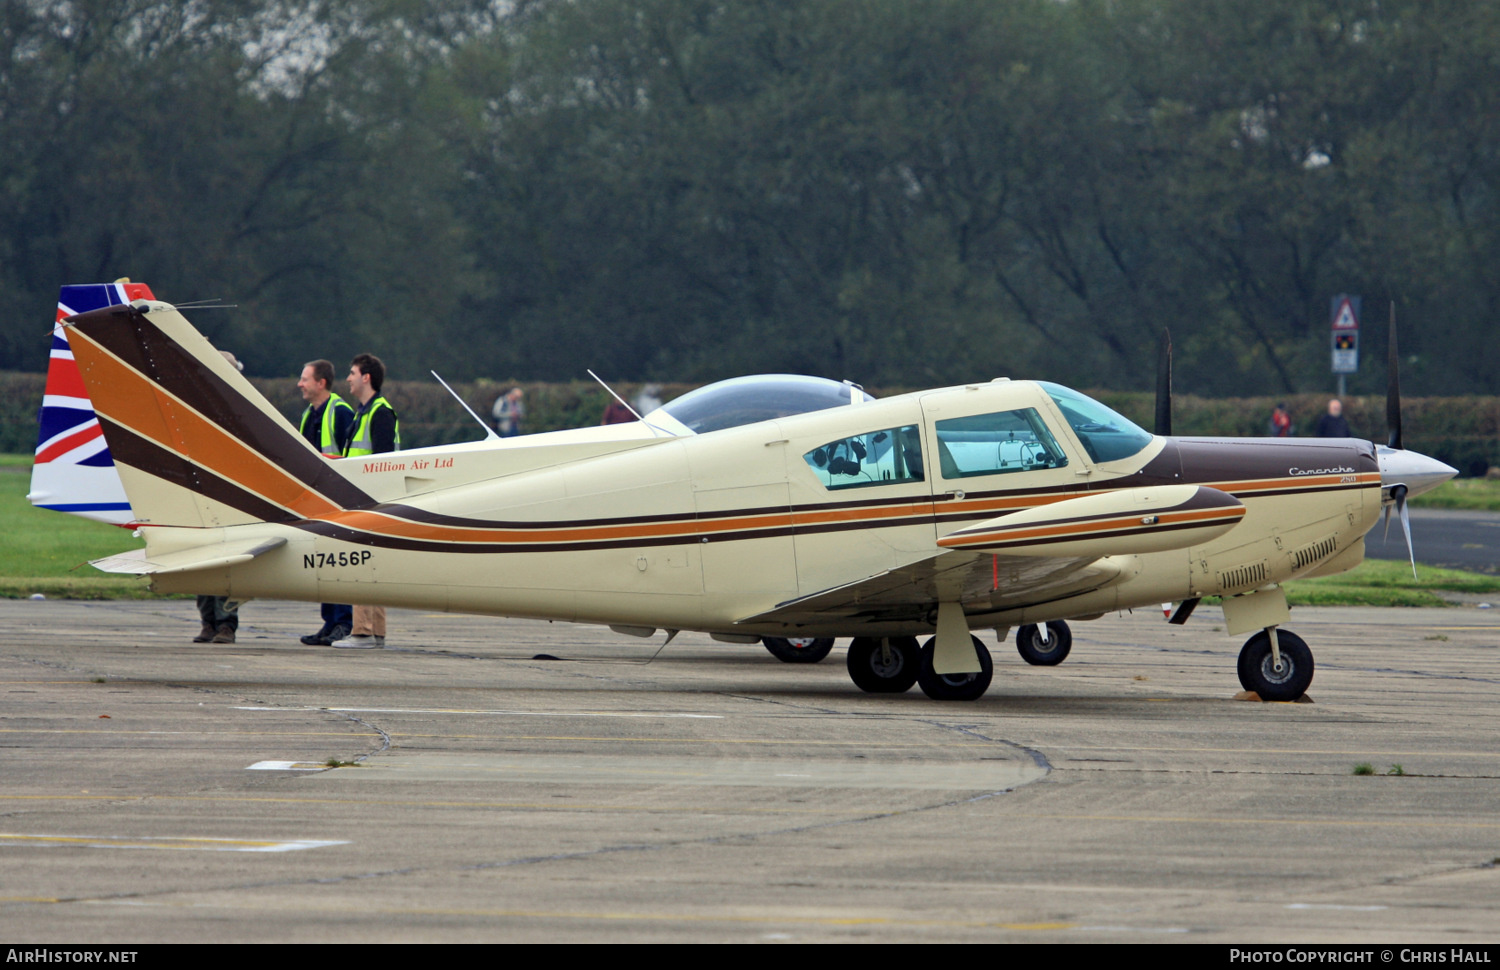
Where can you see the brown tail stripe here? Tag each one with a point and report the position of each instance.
(136, 342)
(129, 448)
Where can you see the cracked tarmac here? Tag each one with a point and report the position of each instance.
(713, 793)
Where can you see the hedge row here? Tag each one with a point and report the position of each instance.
(1463, 431)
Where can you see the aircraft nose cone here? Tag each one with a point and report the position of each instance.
(1414, 470)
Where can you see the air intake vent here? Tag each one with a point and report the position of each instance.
(1243, 577)
(1316, 552)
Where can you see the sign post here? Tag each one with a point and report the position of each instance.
(1345, 336)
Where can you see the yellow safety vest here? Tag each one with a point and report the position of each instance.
(328, 445)
(360, 443)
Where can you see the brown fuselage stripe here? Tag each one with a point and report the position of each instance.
(287, 475)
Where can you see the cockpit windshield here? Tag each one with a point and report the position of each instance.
(745, 400)
(1106, 435)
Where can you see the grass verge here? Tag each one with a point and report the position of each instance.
(1383, 582)
(1476, 494)
(48, 552)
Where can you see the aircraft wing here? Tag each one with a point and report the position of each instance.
(1025, 558)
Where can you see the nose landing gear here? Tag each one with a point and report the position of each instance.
(1282, 674)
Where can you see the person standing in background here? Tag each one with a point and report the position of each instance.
(509, 410)
(1333, 424)
(376, 430)
(326, 424)
(1281, 421)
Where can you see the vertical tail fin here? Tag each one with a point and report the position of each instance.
(73, 471)
(196, 445)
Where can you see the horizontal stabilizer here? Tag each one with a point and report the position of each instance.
(1129, 521)
(211, 556)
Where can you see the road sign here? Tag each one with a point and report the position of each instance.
(1345, 326)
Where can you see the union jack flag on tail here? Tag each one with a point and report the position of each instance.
(73, 471)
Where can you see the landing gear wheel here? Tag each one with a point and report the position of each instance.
(798, 650)
(884, 671)
(955, 687)
(1048, 653)
(1258, 671)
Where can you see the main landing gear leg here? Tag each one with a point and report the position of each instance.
(955, 664)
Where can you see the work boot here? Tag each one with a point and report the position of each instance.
(206, 634)
(225, 634)
(319, 639)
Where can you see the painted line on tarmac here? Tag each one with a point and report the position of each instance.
(553, 807)
(188, 843)
(647, 917)
(286, 766)
(1344, 752)
(440, 710)
(1238, 820)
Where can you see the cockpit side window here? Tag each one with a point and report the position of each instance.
(997, 443)
(874, 458)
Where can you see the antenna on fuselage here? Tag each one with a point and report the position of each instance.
(489, 432)
(614, 395)
(617, 397)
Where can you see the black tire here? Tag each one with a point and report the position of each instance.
(1259, 675)
(1049, 654)
(876, 673)
(955, 687)
(798, 650)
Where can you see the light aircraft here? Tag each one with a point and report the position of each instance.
(786, 509)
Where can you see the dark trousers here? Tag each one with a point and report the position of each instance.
(217, 611)
(338, 614)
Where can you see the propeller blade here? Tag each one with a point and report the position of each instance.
(1399, 494)
(1393, 386)
(1164, 385)
(1385, 517)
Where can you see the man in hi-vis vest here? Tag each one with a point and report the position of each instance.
(376, 429)
(326, 424)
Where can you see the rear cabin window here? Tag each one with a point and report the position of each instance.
(875, 458)
(993, 444)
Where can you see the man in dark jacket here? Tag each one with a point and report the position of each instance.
(1333, 424)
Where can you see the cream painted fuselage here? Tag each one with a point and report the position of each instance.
(736, 531)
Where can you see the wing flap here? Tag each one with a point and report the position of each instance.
(982, 583)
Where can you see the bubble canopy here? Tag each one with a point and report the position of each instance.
(746, 400)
